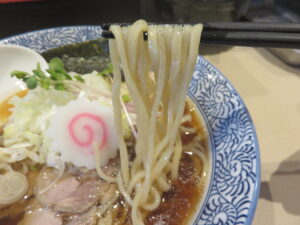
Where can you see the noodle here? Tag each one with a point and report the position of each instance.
(116, 86)
(155, 201)
(170, 56)
(176, 158)
(61, 168)
(134, 180)
(122, 190)
(101, 174)
(187, 129)
(163, 183)
(13, 185)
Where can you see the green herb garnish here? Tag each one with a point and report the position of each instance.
(126, 98)
(107, 71)
(57, 73)
(79, 78)
(19, 74)
(31, 82)
(59, 86)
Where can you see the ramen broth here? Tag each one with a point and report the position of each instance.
(178, 204)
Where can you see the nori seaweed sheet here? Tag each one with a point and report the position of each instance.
(82, 58)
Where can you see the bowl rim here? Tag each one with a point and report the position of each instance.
(255, 198)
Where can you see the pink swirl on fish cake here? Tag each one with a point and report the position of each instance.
(90, 132)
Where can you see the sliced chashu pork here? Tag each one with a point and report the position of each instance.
(85, 196)
(88, 218)
(61, 190)
(69, 196)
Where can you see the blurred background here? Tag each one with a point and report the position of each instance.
(18, 16)
(24, 15)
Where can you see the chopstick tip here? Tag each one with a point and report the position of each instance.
(105, 26)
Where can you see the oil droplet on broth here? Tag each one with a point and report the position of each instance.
(5, 106)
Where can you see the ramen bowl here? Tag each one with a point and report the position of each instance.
(233, 186)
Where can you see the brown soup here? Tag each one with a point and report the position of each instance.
(177, 205)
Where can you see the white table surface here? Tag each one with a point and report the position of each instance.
(271, 91)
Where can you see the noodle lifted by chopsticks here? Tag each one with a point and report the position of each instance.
(157, 73)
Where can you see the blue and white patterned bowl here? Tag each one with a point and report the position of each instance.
(234, 185)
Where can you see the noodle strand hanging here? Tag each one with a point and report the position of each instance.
(167, 60)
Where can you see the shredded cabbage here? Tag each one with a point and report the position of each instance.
(28, 122)
(24, 134)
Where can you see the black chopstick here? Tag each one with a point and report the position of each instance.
(274, 35)
(247, 39)
(252, 39)
(238, 26)
(251, 26)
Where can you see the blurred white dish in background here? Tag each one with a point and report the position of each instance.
(13, 57)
